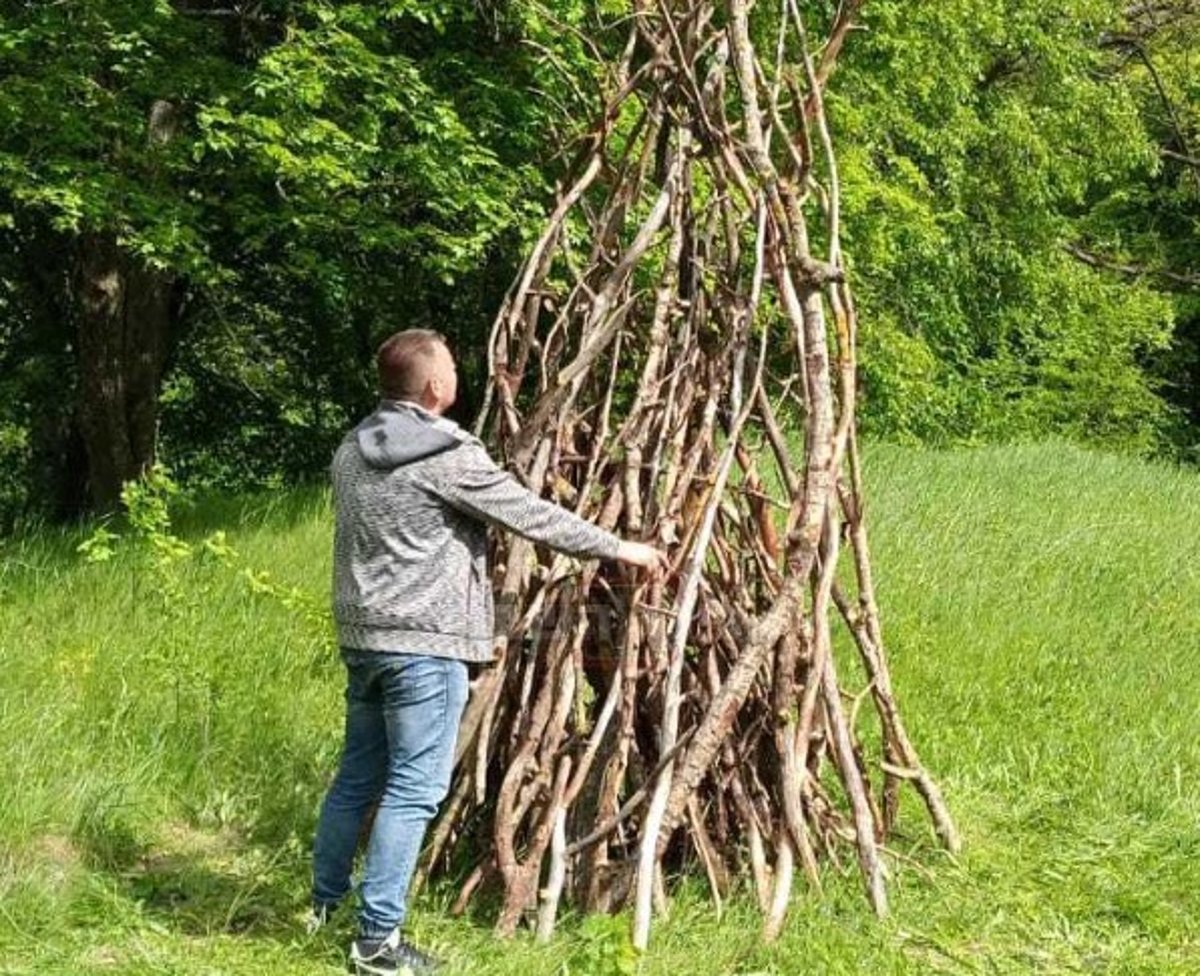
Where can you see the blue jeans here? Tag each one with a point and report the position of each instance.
(402, 715)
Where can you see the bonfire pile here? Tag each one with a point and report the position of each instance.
(676, 361)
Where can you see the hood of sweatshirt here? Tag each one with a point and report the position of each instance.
(399, 433)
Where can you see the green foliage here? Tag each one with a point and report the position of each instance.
(158, 551)
(14, 463)
(1153, 223)
(972, 139)
(329, 173)
(604, 948)
(325, 173)
(99, 547)
(160, 556)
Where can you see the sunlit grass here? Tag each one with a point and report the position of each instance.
(162, 759)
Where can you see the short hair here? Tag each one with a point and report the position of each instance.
(403, 363)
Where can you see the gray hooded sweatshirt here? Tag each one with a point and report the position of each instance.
(413, 496)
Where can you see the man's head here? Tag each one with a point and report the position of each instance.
(416, 365)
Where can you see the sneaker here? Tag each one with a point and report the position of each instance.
(393, 955)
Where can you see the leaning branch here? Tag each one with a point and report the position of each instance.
(1131, 270)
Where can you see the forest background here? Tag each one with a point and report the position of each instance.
(211, 213)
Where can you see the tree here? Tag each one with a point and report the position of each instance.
(88, 195)
(254, 195)
(1020, 206)
(978, 138)
(1144, 233)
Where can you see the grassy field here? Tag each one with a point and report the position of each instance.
(165, 738)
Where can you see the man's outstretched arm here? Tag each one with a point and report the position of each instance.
(480, 488)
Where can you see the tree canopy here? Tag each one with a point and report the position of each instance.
(212, 213)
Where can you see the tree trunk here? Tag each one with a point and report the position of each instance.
(124, 318)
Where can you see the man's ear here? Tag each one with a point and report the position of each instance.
(432, 394)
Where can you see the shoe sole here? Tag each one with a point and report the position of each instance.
(365, 968)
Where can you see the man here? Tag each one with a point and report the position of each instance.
(413, 496)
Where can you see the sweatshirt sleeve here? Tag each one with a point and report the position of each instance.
(476, 485)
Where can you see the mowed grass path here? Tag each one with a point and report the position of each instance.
(161, 761)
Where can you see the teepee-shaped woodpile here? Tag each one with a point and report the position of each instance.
(676, 361)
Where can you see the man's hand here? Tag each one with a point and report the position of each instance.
(653, 560)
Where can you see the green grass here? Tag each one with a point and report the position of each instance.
(162, 761)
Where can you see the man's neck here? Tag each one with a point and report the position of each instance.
(418, 407)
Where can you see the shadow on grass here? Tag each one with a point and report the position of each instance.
(186, 893)
(198, 882)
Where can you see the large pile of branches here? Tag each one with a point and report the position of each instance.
(676, 361)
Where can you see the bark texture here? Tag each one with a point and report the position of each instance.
(124, 316)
